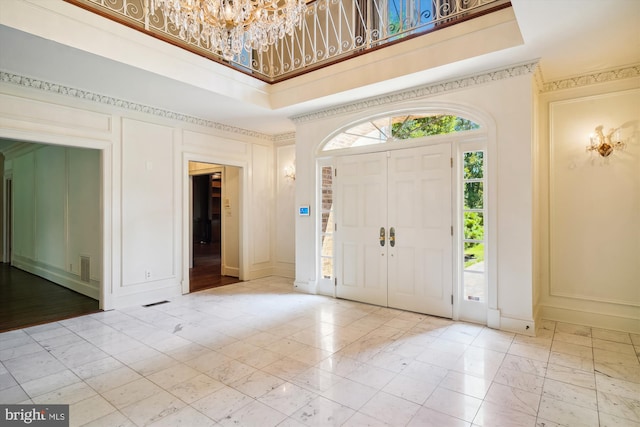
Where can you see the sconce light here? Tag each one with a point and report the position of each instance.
(605, 144)
(290, 172)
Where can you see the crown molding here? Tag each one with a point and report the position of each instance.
(85, 95)
(593, 78)
(423, 91)
(284, 137)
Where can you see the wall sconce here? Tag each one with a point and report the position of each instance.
(290, 172)
(605, 144)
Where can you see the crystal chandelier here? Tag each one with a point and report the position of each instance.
(605, 144)
(231, 26)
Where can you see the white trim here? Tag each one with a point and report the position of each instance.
(307, 287)
(591, 318)
(85, 95)
(519, 326)
(187, 157)
(421, 92)
(481, 139)
(474, 311)
(105, 295)
(599, 77)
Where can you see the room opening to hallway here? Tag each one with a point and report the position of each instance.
(50, 233)
(215, 225)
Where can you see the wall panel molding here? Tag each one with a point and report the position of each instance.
(85, 95)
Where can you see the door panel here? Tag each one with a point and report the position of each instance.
(361, 211)
(420, 264)
(408, 191)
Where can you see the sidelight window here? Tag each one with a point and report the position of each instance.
(473, 216)
(327, 223)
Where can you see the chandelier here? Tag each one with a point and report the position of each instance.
(231, 26)
(604, 144)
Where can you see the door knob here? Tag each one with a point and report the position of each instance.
(382, 236)
(392, 237)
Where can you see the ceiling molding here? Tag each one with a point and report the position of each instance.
(593, 78)
(285, 137)
(85, 95)
(423, 91)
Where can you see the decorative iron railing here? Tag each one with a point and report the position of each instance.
(333, 30)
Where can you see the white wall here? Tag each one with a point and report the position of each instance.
(144, 177)
(285, 211)
(56, 214)
(504, 107)
(150, 247)
(590, 233)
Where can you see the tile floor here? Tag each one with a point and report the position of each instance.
(257, 354)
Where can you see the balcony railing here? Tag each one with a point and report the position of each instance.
(333, 30)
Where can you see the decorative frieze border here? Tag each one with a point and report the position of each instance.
(32, 83)
(593, 78)
(415, 93)
(422, 91)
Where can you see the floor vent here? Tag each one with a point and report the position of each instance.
(85, 269)
(155, 303)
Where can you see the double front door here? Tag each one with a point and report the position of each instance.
(394, 229)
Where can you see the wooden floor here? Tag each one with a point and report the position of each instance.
(205, 273)
(28, 300)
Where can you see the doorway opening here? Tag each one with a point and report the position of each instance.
(394, 240)
(410, 211)
(51, 233)
(214, 225)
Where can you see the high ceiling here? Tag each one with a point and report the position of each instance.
(569, 37)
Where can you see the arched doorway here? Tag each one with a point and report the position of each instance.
(403, 232)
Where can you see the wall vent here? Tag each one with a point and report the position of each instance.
(85, 269)
(155, 303)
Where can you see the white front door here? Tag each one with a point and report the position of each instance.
(362, 212)
(394, 229)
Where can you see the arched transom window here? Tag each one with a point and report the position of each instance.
(399, 128)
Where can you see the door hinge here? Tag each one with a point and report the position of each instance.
(451, 158)
(451, 299)
(335, 227)
(335, 172)
(335, 281)
(452, 230)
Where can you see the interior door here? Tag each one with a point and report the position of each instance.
(362, 212)
(394, 229)
(419, 220)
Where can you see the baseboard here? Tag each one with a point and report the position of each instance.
(259, 273)
(306, 287)
(519, 326)
(596, 320)
(230, 271)
(287, 270)
(58, 276)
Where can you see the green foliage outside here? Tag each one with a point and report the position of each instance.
(473, 199)
(473, 228)
(416, 127)
(474, 255)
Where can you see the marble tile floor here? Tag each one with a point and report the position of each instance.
(257, 354)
